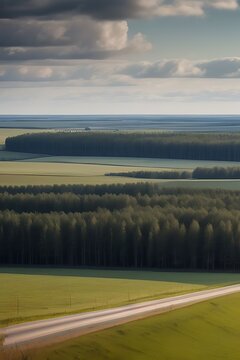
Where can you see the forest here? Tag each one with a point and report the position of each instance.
(199, 173)
(225, 147)
(165, 229)
(154, 174)
(216, 173)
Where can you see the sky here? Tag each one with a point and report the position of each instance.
(119, 57)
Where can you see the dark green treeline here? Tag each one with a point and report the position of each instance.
(154, 174)
(216, 173)
(168, 230)
(199, 173)
(153, 145)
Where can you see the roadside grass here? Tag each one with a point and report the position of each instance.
(209, 330)
(29, 294)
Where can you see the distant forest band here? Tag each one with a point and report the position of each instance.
(225, 147)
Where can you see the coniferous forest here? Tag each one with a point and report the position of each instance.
(140, 226)
(224, 147)
(199, 173)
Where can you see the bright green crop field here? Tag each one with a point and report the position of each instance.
(28, 294)
(210, 330)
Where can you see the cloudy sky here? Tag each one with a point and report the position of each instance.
(119, 56)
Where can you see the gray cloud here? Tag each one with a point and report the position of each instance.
(84, 29)
(111, 9)
(218, 68)
(115, 73)
(80, 38)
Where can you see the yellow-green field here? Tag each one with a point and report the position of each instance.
(209, 330)
(37, 293)
(33, 173)
(47, 173)
(21, 180)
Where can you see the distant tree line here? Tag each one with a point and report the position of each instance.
(167, 228)
(152, 145)
(130, 189)
(144, 188)
(154, 174)
(198, 173)
(217, 173)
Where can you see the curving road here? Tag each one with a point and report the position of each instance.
(40, 333)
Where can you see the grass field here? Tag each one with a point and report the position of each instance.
(209, 330)
(138, 162)
(33, 173)
(16, 156)
(18, 180)
(37, 293)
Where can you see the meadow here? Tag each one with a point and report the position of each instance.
(44, 173)
(137, 162)
(32, 169)
(28, 294)
(209, 330)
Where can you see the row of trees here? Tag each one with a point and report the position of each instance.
(217, 173)
(150, 237)
(130, 189)
(154, 174)
(199, 173)
(154, 145)
(68, 202)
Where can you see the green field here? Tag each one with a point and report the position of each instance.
(34, 173)
(210, 330)
(139, 162)
(37, 293)
(16, 156)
